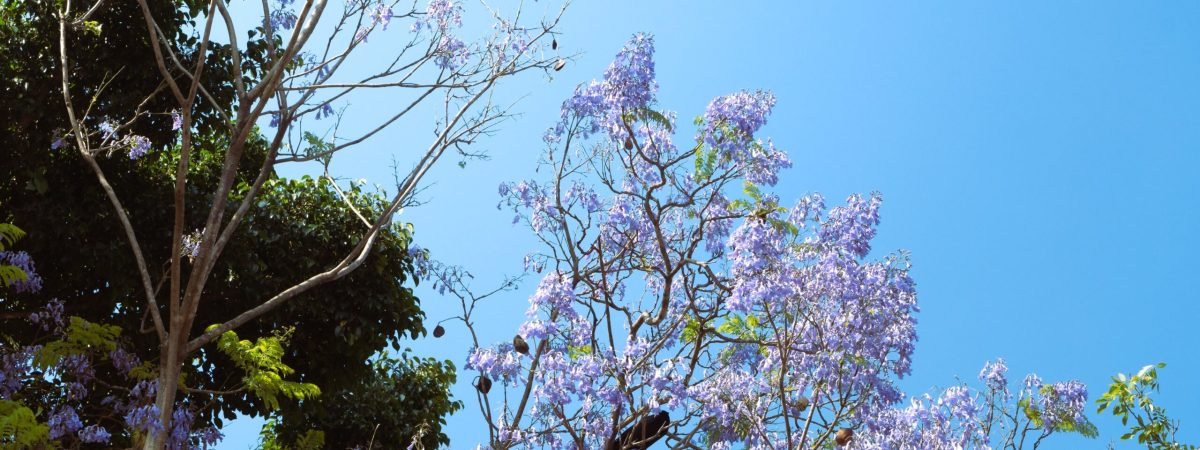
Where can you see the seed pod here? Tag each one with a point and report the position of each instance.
(802, 403)
(628, 144)
(560, 64)
(843, 436)
(438, 331)
(520, 345)
(643, 434)
(553, 44)
(484, 385)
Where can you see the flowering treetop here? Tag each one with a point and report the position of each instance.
(681, 302)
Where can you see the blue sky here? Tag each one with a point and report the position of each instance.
(1039, 159)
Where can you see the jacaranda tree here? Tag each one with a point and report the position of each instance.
(682, 304)
(284, 78)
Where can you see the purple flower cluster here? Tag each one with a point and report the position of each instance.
(57, 140)
(501, 363)
(21, 260)
(282, 17)
(628, 86)
(730, 123)
(852, 227)
(528, 195)
(962, 418)
(138, 146)
(50, 316)
(451, 53)
(190, 247)
(14, 367)
(440, 16)
(629, 80)
(94, 434)
(108, 131)
(994, 376)
(64, 422)
(1062, 403)
(382, 15)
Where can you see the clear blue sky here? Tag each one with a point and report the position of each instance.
(1039, 159)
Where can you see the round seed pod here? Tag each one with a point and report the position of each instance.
(843, 436)
(484, 385)
(628, 144)
(553, 44)
(438, 331)
(520, 345)
(560, 64)
(802, 403)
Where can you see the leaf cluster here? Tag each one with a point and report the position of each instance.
(1129, 397)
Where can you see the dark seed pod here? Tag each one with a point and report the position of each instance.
(520, 345)
(554, 44)
(438, 331)
(560, 64)
(628, 144)
(843, 436)
(484, 385)
(643, 434)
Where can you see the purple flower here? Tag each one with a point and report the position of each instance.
(63, 422)
(500, 364)
(730, 123)
(440, 15)
(94, 434)
(107, 130)
(21, 260)
(629, 80)
(57, 140)
(138, 146)
(123, 361)
(326, 110)
(451, 53)
(210, 436)
(181, 424)
(282, 17)
(1062, 403)
(382, 15)
(144, 418)
(993, 375)
(176, 120)
(190, 247)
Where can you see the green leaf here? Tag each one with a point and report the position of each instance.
(19, 427)
(9, 235)
(262, 362)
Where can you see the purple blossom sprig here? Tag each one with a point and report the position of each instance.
(21, 260)
(138, 146)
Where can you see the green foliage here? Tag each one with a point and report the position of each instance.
(9, 274)
(82, 255)
(691, 329)
(9, 235)
(578, 351)
(19, 427)
(317, 146)
(265, 370)
(81, 338)
(1129, 397)
(269, 439)
(648, 115)
(366, 412)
